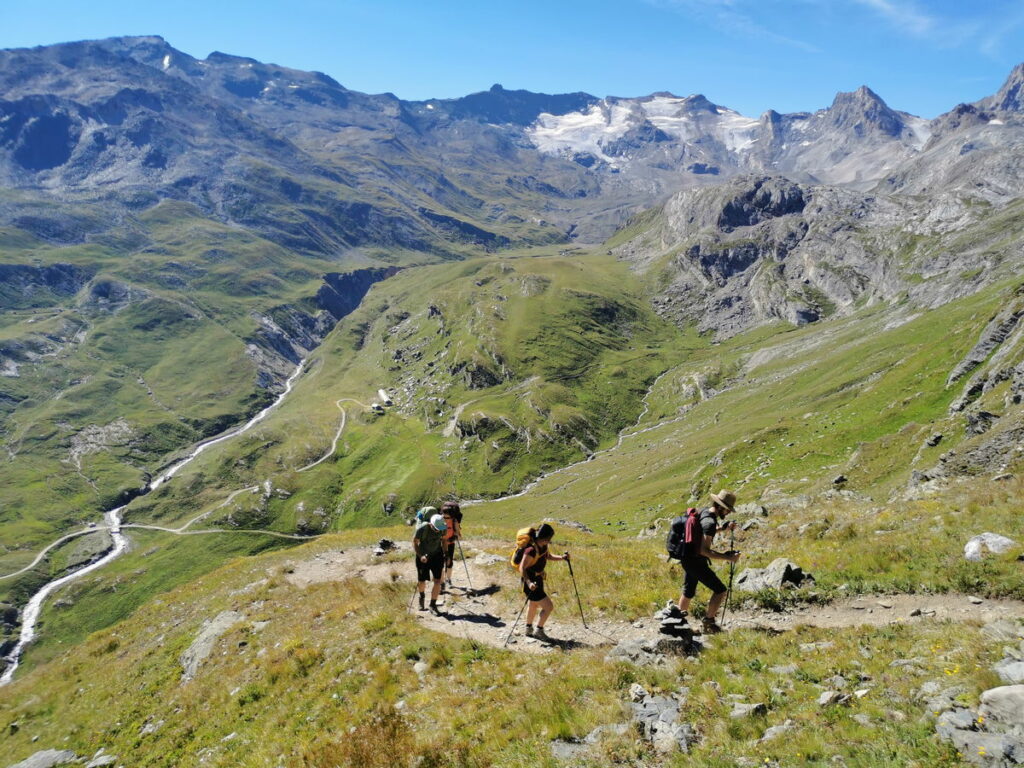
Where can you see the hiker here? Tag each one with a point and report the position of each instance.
(427, 544)
(534, 556)
(696, 555)
(452, 514)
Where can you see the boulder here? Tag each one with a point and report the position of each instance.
(741, 710)
(652, 651)
(778, 574)
(776, 730)
(1010, 671)
(1004, 705)
(992, 542)
(637, 692)
(657, 720)
(1003, 630)
(48, 758)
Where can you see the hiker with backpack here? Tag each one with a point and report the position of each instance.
(530, 557)
(452, 514)
(689, 540)
(427, 543)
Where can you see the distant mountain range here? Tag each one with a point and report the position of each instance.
(130, 120)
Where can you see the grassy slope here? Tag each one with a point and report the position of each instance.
(550, 356)
(784, 411)
(337, 657)
(578, 348)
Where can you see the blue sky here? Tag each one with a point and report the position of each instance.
(751, 55)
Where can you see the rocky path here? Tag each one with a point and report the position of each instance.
(484, 614)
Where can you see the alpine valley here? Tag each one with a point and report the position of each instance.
(252, 320)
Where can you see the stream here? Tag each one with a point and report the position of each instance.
(112, 520)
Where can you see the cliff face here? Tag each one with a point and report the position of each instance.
(756, 249)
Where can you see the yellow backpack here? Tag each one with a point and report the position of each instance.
(525, 537)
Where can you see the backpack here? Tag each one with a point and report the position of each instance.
(680, 533)
(525, 537)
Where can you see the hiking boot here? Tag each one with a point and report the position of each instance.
(423, 606)
(540, 634)
(710, 627)
(529, 630)
(434, 609)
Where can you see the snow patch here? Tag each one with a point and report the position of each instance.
(167, 61)
(922, 132)
(430, 106)
(996, 122)
(602, 123)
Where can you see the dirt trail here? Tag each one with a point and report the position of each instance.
(486, 616)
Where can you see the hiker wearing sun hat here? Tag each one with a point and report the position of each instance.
(697, 554)
(427, 543)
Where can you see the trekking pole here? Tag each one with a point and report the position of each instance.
(464, 565)
(577, 590)
(505, 644)
(415, 591)
(732, 569)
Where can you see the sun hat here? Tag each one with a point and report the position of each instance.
(438, 523)
(725, 499)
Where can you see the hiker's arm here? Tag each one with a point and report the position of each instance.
(707, 551)
(523, 565)
(416, 547)
(558, 557)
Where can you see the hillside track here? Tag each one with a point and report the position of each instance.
(486, 615)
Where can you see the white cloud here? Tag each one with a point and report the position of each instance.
(905, 16)
(727, 16)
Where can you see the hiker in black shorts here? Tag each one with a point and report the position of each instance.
(701, 528)
(531, 568)
(427, 544)
(453, 519)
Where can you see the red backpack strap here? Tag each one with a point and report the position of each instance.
(693, 530)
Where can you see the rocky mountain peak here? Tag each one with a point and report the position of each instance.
(501, 106)
(863, 111)
(698, 102)
(1009, 98)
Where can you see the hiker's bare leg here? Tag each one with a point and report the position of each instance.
(546, 607)
(422, 587)
(531, 611)
(436, 591)
(684, 603)
(715, 603)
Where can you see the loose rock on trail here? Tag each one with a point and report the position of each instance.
(487, 614)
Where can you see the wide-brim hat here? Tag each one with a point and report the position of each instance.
(438, 523)
(725, 499)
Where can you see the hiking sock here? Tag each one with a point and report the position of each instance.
(434, 608)
(422, 606)
(529, 630)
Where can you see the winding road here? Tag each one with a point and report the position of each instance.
(112, 518)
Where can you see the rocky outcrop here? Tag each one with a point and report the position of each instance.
(778, 575)
(286, 334)
(193, 656)
(23, 285)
